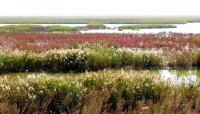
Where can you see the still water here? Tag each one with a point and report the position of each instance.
(178, 77)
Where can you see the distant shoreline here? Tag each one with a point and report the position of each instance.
(100, 19)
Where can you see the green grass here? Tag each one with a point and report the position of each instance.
(79, 58)
(76, 60)
(36, 28)
(18, 28)
(95, 25)
(61, 29)
(146, 26)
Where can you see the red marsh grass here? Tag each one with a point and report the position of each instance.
(43, 42)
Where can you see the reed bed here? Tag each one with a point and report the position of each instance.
(108, 91)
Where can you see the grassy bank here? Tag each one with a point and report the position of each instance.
(100, 92)
(95, 26)
(36, 29)
(92, 26)
(147, 26)
(58, 28)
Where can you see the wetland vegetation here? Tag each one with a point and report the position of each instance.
(57, 69)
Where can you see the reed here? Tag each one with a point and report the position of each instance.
(113, 91)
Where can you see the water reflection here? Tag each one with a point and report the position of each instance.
(179, 77)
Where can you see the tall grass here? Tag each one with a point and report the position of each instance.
(181, 59)
(76, 58)
(196, 59)
(81, 59)
(196, 39)
(53, 61)
(100, 92)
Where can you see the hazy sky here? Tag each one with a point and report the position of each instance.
(98, 7)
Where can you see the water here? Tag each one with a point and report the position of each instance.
(181, 28)
(179, 77)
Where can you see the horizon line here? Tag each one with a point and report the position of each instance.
(38, 16)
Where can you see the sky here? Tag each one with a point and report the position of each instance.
(99, 7)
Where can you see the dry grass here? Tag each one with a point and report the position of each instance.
(6, 108)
